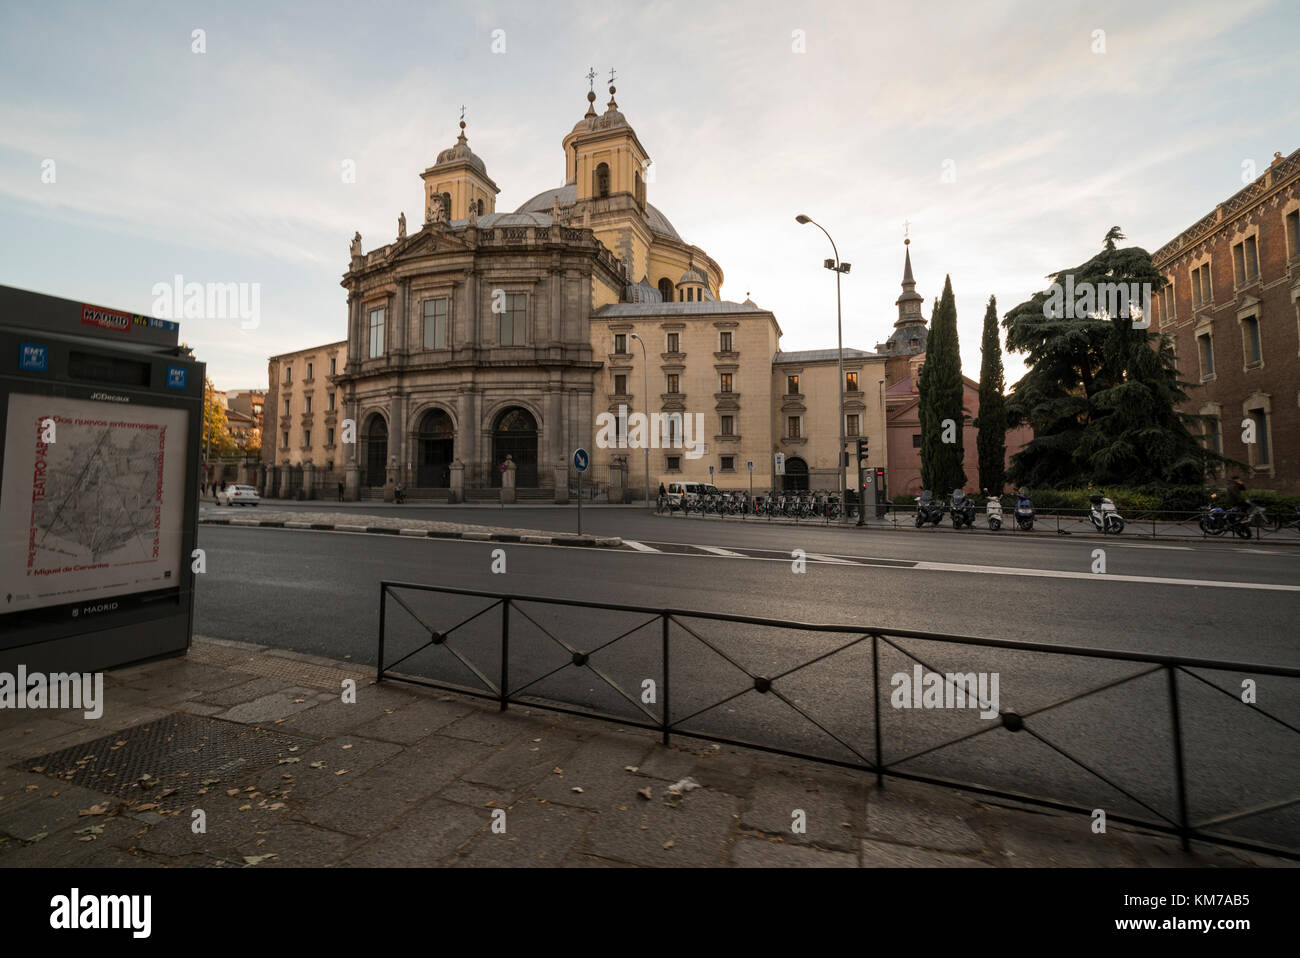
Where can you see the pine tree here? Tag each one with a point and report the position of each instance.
(941, 390)
(991, 440)
(1100, 394)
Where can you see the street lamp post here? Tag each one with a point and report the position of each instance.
(645, 383)
(839, 268)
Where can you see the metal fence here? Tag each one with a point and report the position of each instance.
(1147, 524)
(1169, 743)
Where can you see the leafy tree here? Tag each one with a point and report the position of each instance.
(217, 440)
(1100, 393)
(991, 440)
(941, 390)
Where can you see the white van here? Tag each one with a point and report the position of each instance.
(683, 492)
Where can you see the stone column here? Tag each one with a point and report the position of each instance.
(618, 479)
(508, 482)
(554, 448)
(562, 481)
(466, 430)
(285, 472)
(352, 481)
(457, 493)
(308, 480)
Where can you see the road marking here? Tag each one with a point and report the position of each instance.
(818, 557)
(638, 546)
(1096, 577)
(1145, 545)
(718, 551)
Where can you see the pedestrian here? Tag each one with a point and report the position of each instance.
(340, 492)
(662, 490)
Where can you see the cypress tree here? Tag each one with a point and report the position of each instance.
(941, 399)
(991, 440)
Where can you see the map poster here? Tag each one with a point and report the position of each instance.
(93, 500)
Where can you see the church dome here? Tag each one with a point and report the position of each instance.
(693, 275)
(461, 153)
(642, 292)
(566, 197)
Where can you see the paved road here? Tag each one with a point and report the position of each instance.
(318, 592)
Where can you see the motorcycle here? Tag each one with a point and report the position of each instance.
(994, 509)
(1024, 512)
(399, 495)
(1105, 518)
(963, 510)
(928, 509)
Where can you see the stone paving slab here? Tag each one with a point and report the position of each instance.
(402, 526)
(413, 777)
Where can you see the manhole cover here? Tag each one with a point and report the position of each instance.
(180, 751)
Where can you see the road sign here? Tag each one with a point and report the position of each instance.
(780, 464)
(581, 460)
(710, 472)
(501, 468)
(750, 464)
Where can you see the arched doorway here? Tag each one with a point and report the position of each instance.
(796, 475)
(515, 435)
(376, 451)
(435, 448)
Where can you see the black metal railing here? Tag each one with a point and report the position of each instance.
(517, 658)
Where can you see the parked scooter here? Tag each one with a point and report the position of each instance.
(1024, 512)
(994, 509)
(928, 509)
(1105, 518)
(1216, 520)
(962, 509)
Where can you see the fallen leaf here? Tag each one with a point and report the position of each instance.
(631, 768)
(276, 806)
(258, 859)
(168, 791)
(347, 746)
(317, 765)
(147, 807)
(646, 793)
(244, 808)
(557, 771)
(232, 792)
(289, 761)
(668, 844)
(31, 788)
(294, 748)
(99, 809)
(575, 789)
(120, 742)
(342, 771)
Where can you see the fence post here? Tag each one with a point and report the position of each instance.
(505, 652)
(875, 689)
(1183, 829)
(665, 676)
(383, 602)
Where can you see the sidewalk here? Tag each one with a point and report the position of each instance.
(286, 774)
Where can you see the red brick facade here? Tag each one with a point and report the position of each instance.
(1238, 343)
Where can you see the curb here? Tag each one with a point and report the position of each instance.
(598, 542)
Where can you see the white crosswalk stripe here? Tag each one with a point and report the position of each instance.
(640, 546)
(717, 551)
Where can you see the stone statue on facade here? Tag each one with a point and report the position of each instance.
(356, 245)
(435, 208)
(472, 215)
(401, 226)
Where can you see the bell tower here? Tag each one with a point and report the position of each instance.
(458, 182)
(603, 157)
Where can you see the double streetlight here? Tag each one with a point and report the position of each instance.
(839, 268)
(645, 381)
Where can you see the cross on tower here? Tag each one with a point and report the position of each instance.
(591, 78)
(907, 229)
(462, 111)
(611, 75)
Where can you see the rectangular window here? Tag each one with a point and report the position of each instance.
(435, 323)
(288, 374)
(1214, 429)
(329, 437)
(1239, 262)
(286, 407)
(1262, 456)
(792, 385)
(1251, 344)
(724, 342)
(724, 383)
(310, 367)
(1167, 304)
(1202, 295)
(308, 401)
(853, 424)
(286, 440)
(1206, 346)
(728, 463)
(851, 382)
(331, 403)
(620, 342)
(793, 428)
(513, 320)
(333, 365)
(1252, 259)
(1293, 232)
(916, 440)
(674, 463)
(727, 426)
(306, 437)
(672, 382)
(673, 340)
(376, 333)
(620, 385)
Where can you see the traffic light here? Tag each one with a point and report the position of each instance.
(862, 448)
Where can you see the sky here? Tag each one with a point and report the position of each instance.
(1009, 136)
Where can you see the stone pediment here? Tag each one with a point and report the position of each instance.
(428, 241)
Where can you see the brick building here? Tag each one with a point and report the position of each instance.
(1233, 309)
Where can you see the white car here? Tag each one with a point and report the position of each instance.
(238, 496)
